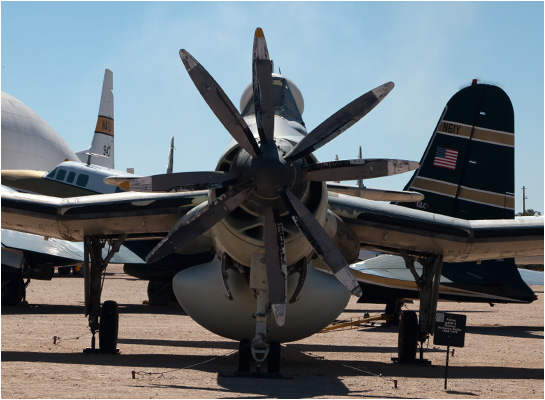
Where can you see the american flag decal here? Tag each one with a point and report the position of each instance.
(445, 158)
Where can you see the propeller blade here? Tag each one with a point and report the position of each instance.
(275, 260)
(191, 225)
(339, 122)
(220, 104)
(347, 170)
(320, 241)
(263, 88)
(180, 180)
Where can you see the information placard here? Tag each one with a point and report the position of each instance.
(450, 329)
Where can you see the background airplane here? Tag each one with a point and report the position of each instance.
(21, 260)
(269, 213)
(31, 148)
(467, 171)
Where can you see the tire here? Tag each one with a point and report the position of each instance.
(274, 358)
(160, 293)
(408, 332)
(244, 355)
(109, 325)
(13, 291)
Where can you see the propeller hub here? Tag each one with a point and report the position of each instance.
(269, 172)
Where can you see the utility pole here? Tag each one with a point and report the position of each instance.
(524, 200)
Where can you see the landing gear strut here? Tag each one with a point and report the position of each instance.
(259, 350)
(105, 319)
(411, 331)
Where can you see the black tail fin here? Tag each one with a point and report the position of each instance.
(468, 168)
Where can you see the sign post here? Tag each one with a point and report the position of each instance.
(450, 330)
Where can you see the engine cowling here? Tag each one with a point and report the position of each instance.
(241, 234)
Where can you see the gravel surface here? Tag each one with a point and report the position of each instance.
(165, 354)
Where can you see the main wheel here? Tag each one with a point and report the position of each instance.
(408, 332)
(160, 293)
(13, 290)
(274, 357)
(393, 310)
(109, 325)
(244, 355)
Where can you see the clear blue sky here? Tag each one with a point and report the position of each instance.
(54, 55)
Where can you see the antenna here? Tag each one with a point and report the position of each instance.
(524, 200)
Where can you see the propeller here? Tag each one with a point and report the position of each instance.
(339, 122)
(179, 180)
(266, 178)
(220, 104)
(263, 88)
(192, 225)
(347, 170)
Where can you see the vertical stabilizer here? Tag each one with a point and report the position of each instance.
(101, 151)
(360, 181)
(170, 164)
(468, 169)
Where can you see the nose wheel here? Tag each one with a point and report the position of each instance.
(246, 358)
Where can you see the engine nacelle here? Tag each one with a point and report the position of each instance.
(241, 233)
(201, 292)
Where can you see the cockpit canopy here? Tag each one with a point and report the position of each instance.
(288, 100)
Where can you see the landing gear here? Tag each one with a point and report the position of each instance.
(13, 290)
(160, 293)
(259, 350)
(105, 319)
(244, 356)
(109, 326)
(411, 331)
(407, 338)
(393, 311)
(272, 358)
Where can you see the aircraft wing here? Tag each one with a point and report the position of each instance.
(397, 229)
(139, 215)
(385, 227)
(57, 251)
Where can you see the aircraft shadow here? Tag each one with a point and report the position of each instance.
(48, 309)
(530, 332)
(202, 344)
(312, 376)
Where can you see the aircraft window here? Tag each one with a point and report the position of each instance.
(51, 174)
(284, 103)
(61, 174)
(71, 176)
(82, 180)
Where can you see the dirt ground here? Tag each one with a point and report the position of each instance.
(171, 356)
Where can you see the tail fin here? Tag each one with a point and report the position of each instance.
(360, 181)
(101, 151)
(468, 170)
(170, 164)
